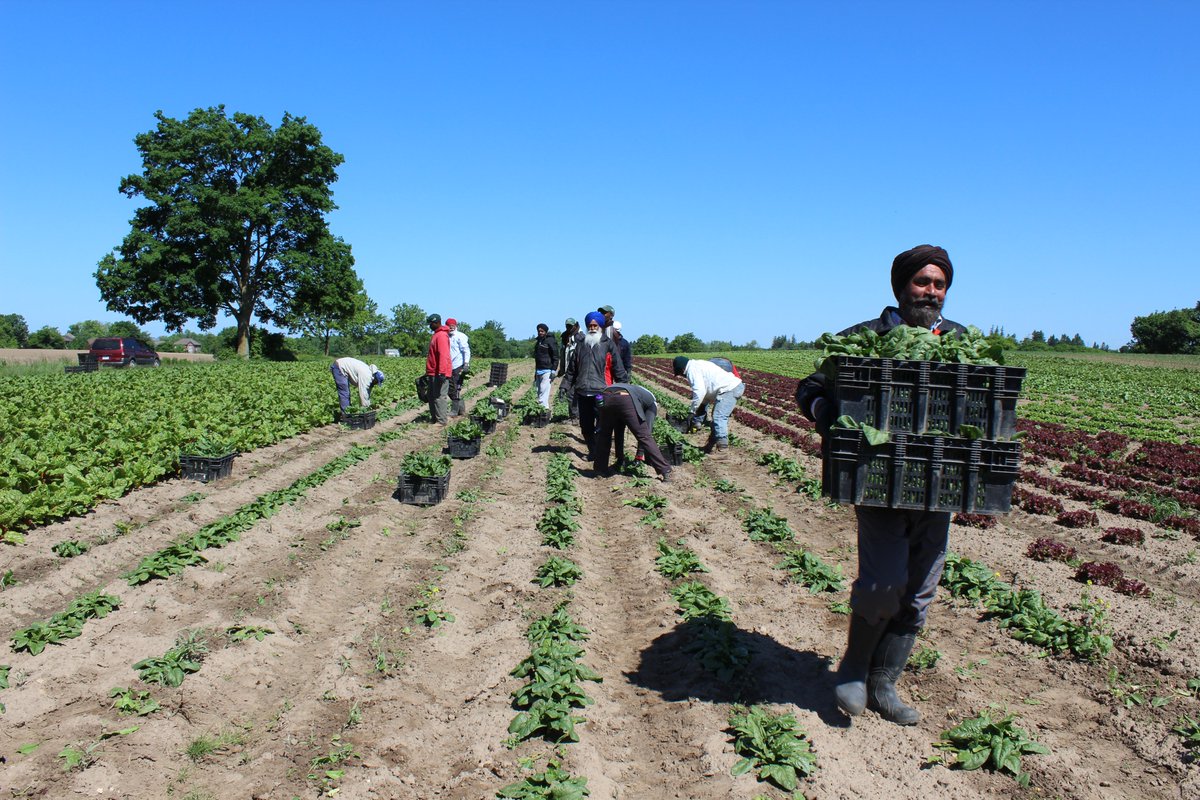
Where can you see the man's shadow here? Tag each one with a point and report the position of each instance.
(696, 660)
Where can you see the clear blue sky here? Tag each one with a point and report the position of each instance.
(735, 169)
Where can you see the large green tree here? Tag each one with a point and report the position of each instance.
(649, 344)
(1175, 331)
(236, 210)
(47, 338)
(329, 294)
(14, 331)
(409, 331)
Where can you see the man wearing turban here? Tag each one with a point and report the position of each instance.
(595, 365)
(900, 552)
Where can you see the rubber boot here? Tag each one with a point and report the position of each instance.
(887, 664)
(851, 689)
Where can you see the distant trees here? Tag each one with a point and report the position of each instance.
(1175, 331)
(47, 338)
(685, 343)
(648, 344)
(14, 332)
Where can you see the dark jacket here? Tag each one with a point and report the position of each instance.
(566, 337)
(626, 351)
(545, 353)
(813, 387)
(587, 371)
(643, 401)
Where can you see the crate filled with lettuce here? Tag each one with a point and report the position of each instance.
(463, 439)
(922, 421)
(424, 478)
(484, 415)
(206, 459)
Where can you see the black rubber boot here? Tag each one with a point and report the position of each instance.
(891, 654)
(851, 689)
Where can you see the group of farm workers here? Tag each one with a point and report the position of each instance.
(447, 365)
(901, 553)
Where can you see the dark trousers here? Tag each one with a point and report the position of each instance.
(587, 421)
(456, 382)
(900, 559)
(616, 414)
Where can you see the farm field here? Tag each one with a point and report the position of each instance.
(341, 643)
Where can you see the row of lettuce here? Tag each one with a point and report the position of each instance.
(72, 441)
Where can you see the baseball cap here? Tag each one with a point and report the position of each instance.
(433, 319)
(452, 321)
(606, 309)
(616, 326)
(571, 321)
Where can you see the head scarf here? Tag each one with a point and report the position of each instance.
(594, 316)
(680, 364)
(910, 262)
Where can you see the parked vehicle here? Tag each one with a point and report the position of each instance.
(123, 351)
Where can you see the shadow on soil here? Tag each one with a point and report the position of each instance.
(673, 666)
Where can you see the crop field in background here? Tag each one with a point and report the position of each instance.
(294, 630)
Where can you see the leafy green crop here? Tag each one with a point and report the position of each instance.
(553, 784)
(772, 744)
(764, 525)
(425, 464)
(70, 548)
(557, 526)
(910, 344)
(465, 429)
(171, 667)
(65, 624)
(131, 701)
(995, 744)
(808, 570)
(697, 601)
(557, 571)
(675, 562)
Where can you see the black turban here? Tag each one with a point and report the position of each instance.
(910, 262)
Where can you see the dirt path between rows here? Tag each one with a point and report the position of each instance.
(349, 696)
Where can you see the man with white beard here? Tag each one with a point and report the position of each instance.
(595, 365)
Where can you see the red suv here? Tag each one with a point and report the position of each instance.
(123, 351)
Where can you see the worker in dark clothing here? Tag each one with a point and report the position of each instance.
(595, 365)
(622, 406)
(900, 552)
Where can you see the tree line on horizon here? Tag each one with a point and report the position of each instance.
(234, 222)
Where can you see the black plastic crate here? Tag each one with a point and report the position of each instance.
(927, 473)
(421, 491)
(360, 420)
(488, 425)
(921, 397)
(680, 424)
(205, 469)
(673, 453)
(463, 448)
(500, 406)
(498, 374)
(89, 366)
(538, 419)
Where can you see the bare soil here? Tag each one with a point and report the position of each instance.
(423, 713)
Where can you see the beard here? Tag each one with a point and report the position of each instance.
(592, 339)
(921, 313)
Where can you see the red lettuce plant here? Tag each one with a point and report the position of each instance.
(1130, 537)
(1050, 550)
(1078, 519)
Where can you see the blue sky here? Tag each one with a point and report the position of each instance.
(735, 169)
